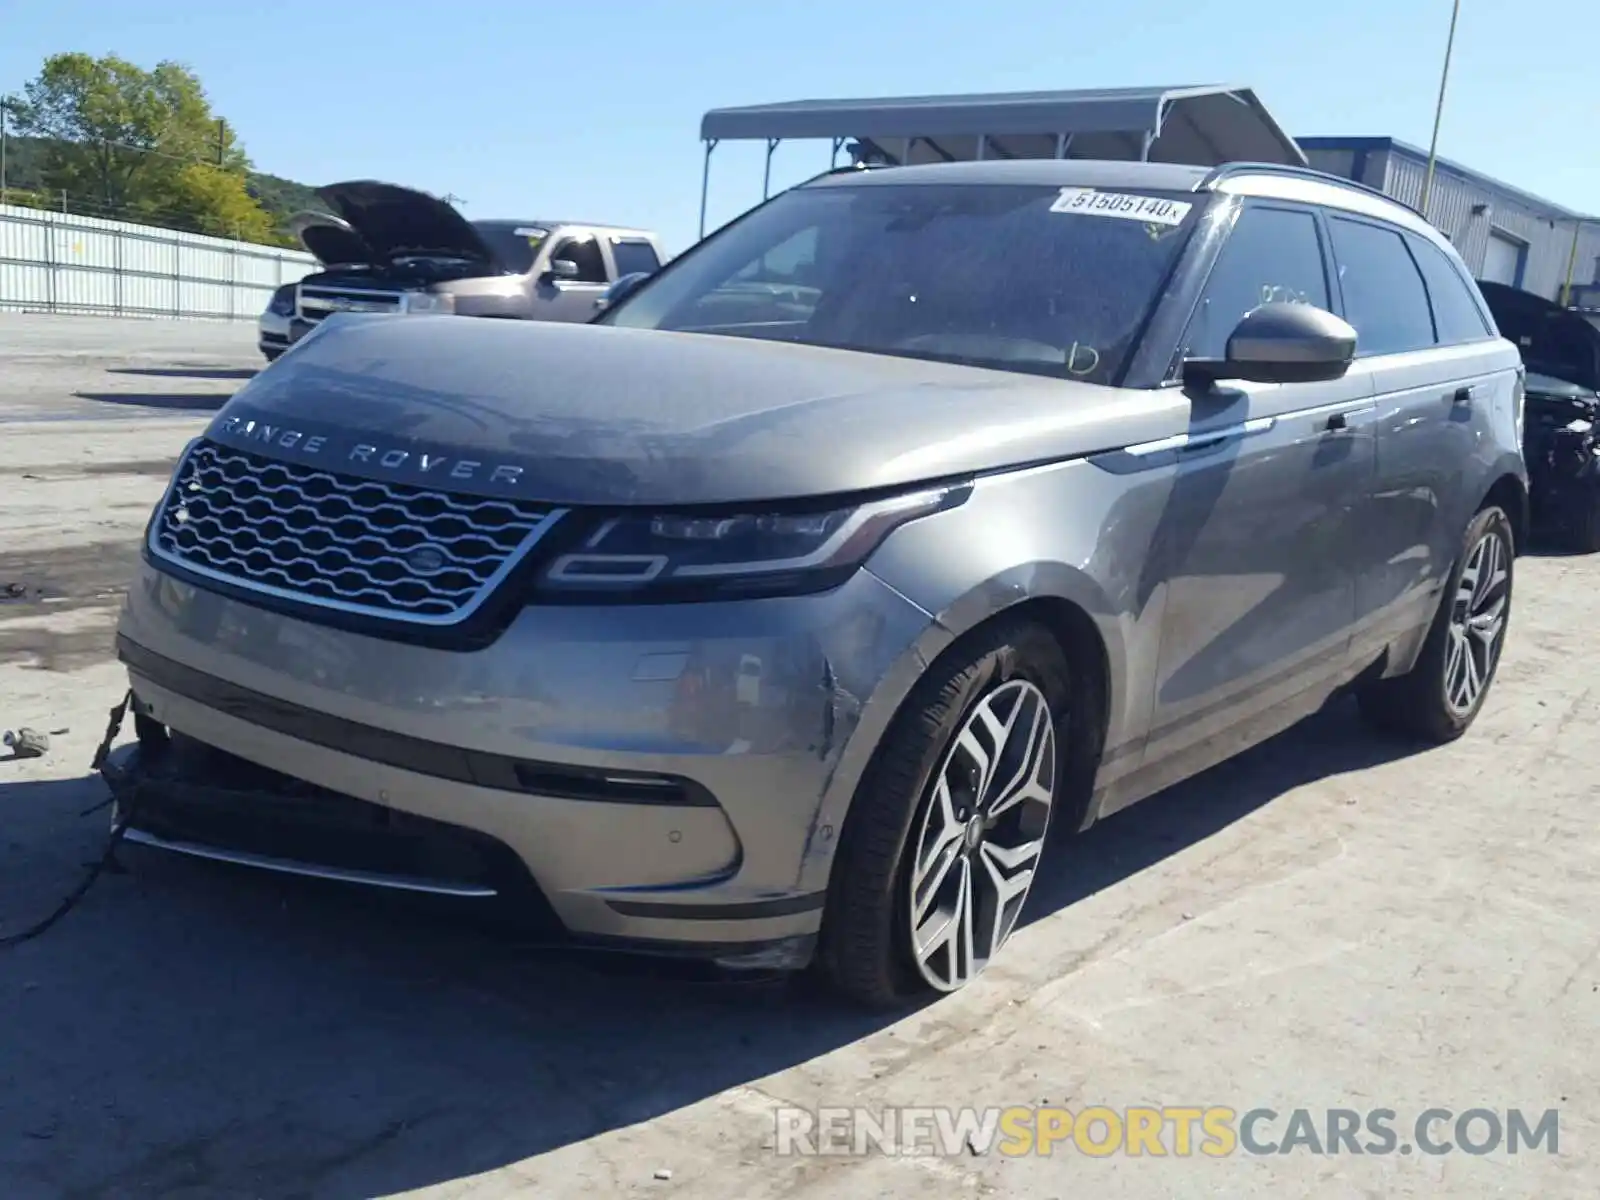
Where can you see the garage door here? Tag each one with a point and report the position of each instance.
(1502, 259)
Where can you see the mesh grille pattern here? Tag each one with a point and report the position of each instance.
(390, 549)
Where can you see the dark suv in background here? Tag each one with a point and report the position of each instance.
(391, 249)
(1561, 352)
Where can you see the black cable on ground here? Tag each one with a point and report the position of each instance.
(99, 764)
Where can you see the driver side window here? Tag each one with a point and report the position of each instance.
(1273, 254)
(586, 253)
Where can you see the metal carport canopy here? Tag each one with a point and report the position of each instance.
(1200, 125)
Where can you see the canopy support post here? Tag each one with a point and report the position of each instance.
(1063, 144)
(833, 162)
(766, 179)
(983, 146)
(705, 183)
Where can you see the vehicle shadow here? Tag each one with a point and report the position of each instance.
(181, 401)
(193, 1030)
(189, 372)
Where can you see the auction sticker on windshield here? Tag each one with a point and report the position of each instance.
(1149, 209)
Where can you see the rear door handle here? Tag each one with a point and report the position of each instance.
(1337, 422)
(1462, 395)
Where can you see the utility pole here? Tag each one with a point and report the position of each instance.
(1572, 263)
(222, 140)
(5, 106)
(1438, 112)
(452, 199)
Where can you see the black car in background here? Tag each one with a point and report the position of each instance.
(1561, 437)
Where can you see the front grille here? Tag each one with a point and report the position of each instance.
(317, 302)
(384, 549)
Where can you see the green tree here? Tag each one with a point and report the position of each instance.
(209, 199)
(138, 143)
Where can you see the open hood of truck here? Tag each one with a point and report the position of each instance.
(332, 240)
(1553, 340)
(394, 221)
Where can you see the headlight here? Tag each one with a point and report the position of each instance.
(662, 556)
(430, 302)
(282, 302)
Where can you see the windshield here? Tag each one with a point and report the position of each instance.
(1038, 279)
(515, 246)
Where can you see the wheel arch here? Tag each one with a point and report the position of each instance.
(1075, 615)
(1510, 492)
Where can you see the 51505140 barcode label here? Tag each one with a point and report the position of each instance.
(1150, 210)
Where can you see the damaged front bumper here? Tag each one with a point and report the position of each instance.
(175, 794)
(1563, 474)
(652, 779)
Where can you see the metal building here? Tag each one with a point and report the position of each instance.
(1504, 234)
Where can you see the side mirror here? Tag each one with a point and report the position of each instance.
(1280, 343)
(562, 268)
(622, 287)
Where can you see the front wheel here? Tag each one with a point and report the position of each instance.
(945, 835)
(1442, 694)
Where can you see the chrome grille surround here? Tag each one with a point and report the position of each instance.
(337, 541)
(319, 300)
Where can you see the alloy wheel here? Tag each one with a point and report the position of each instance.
(1477, 624)
(981, 835)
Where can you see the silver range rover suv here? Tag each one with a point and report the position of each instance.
(778, 615)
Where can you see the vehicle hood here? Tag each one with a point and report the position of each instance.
(594, 415)
(331, 239)
(1553, 340)
(393, 221)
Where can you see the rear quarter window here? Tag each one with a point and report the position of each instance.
(1455, 311)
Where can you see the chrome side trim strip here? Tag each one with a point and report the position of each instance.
(284, 866)
(1204, 437)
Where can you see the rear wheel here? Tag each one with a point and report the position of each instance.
(947, 829)
(1440, 697)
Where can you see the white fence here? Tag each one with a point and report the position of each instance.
(57, 262)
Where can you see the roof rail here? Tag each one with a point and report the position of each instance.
(1228, 169)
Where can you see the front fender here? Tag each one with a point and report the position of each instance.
(1072, 534)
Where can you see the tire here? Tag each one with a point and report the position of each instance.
(1428, 702)
(1013, 670)
(1584, 534)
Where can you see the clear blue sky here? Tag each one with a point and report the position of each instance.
(591, 110)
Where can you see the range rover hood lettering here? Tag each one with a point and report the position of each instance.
(579, 414)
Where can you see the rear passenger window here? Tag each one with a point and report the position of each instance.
(1383, 293)
(1454, 311)
(1272, 254)
(634, 257)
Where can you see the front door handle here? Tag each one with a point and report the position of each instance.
(1337, 422)
(1462, 395)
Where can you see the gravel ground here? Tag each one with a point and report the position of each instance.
(1330, 921)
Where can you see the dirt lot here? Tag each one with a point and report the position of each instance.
(1329, 922)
